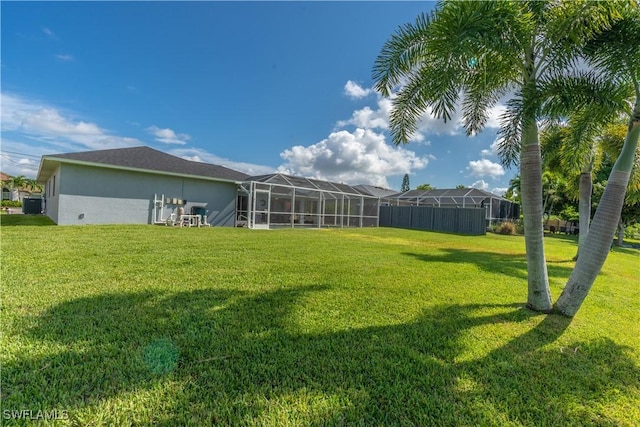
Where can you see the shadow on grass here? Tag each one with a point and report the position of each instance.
(514, 265)
(21, 219)
(241, 359)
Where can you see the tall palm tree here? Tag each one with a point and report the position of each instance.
(574, 151)
(615, 53)
(477, 53)
(576, 148)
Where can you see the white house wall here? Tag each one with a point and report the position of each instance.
(93, 195)
(52, 195)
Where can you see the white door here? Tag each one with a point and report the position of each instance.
(261, 202)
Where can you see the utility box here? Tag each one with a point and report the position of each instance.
(199, 210)
(32, 205)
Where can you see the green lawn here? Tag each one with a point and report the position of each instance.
(122, 325)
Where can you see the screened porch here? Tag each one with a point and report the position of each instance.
(277, 200)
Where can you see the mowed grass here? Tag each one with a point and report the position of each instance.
(149, 325)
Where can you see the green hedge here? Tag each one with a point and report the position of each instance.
(11, 204)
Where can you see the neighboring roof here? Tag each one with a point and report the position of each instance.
(4, 176)
(376, 191)
(308, 183)
(142, 159)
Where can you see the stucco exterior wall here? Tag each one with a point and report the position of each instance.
(93, 195)
(52, 196)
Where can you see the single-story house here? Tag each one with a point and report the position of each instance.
(137, 185)
(140, 185)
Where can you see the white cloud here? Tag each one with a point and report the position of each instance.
(500, 191)
(355, 91)
(199, 155)
(484, 167)
(48, 32)
(168, 136)
(492, 150)
(482, 185)
(368, 118)
(65, 57)
(358, 157)
(19, 158)
(379, 118)
(39, 121)
(494, 115)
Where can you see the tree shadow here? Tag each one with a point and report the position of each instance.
(239, 357)
(513, 265)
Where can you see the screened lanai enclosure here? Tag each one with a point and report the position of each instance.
(497, 208)
(277, 200)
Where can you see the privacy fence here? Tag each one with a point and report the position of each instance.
(449, 220)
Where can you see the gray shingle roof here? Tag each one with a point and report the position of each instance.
(146, 158)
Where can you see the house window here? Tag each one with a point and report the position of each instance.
(53, 186)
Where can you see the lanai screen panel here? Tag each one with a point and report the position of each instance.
(302, 202)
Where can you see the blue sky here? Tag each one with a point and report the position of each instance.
(256, 86)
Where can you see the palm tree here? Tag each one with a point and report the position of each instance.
(576, 149)
(614, 53)
(480, 52)
(513, 191)
(34, 186)
(574, 152)
(15, 183)
(553, 186)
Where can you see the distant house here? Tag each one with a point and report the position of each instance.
(6, 192)
(12, 193)
(137, 185)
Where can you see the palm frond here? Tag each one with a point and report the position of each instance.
(569, 24)
(552, 138)
(428, 90)
(431, 60)
(402, 54)
(602, 97)
(615, 51)
(510, 133)
(579, 149)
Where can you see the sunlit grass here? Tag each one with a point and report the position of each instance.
(157, 325)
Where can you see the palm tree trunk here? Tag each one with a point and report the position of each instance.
(539, 296)
(620, 232)
(596, 246)
(584, 208)
(602, 230)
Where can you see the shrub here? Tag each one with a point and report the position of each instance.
(11, 204)
(632, 231)
(507, 228)
(519, 226)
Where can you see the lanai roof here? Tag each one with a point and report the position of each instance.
(455, 195)
(308, 183)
